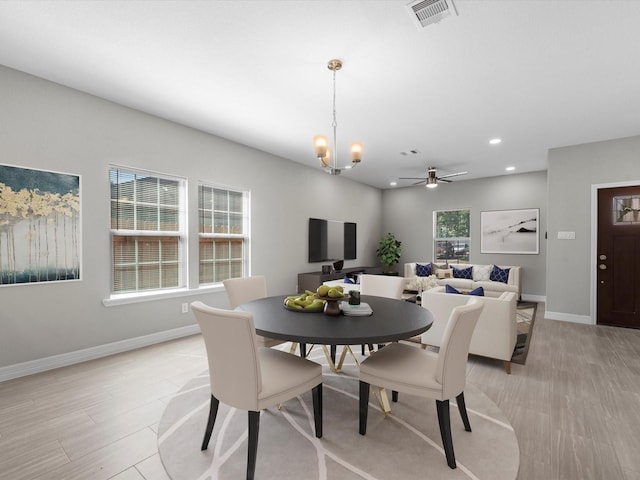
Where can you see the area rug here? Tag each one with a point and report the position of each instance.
(405, 444)
(526, 316)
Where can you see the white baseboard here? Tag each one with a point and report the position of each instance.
(79, 356)
(569, 317)
(534, 298)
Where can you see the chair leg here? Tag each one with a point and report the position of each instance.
(316, 393)
(364, 406)
(362, 349)
(394, 396)
(254, 429)
(462, 407)
(213, 412)
(507, 367)
(445, 431)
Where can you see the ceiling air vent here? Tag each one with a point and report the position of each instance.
(426, 12)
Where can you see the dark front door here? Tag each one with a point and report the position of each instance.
(618, 256)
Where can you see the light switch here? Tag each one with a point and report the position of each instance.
(566, 235)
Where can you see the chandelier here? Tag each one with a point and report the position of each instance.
(321, 143)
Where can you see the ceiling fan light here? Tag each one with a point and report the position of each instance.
(320, 145)
(431, 182)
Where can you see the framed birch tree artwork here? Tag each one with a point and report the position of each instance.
(40, 233)
(510, 231)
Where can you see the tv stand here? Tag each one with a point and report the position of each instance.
(312, 280)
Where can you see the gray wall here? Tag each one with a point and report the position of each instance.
(46, 126)
(408, 213)
(574, 172)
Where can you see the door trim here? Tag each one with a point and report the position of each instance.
(594, 239)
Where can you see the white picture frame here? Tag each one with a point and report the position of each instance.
(510, 231)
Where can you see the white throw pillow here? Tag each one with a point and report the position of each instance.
(481, 272)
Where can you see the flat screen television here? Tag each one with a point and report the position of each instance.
(331, 240)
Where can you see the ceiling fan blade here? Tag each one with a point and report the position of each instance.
(444, 180)
(453, 175)
(418, 183)
(411, 178)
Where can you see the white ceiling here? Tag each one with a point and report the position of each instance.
(538, 74)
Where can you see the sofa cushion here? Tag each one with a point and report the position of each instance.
(423, 270)
(499, 274)
(459, 283)
(482, 272)
(497, 287)
(449, 289)
(478, 292)
(463, 272)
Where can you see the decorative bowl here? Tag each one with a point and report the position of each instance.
(304, 310)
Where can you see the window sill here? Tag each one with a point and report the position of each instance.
(127, 298)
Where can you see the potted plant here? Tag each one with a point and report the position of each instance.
(389, 250)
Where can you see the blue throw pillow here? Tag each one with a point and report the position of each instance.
(423, 270)
(478, 292)
(466, 273)
(499, 274)
(348, 280)
(449, 289)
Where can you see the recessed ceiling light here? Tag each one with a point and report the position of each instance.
(495, 141)
(393, 184)
(510, 169)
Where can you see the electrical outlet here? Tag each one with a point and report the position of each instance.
(185, 308)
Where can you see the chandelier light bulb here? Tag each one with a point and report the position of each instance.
(320, 144)
(356, 152)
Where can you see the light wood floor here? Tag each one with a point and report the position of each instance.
(575, 408)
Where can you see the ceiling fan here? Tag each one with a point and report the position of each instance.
(432, 179)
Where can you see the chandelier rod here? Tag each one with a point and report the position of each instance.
(334, 124)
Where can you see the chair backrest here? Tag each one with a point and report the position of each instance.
(382, 286)
(451, 369)
(245, 289)
(234, 369)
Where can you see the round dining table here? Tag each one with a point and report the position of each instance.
(391, 320)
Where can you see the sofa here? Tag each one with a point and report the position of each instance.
(481, 276)
(496, 331)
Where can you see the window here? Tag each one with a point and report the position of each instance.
(451, 235)
(224, 233)
(147, 231)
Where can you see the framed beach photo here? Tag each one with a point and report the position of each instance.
(510, 231)
(40, 233)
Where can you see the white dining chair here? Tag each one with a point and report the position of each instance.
(246, 289)
(442, 376)
(388, 286)
(382, 285)
(246, 376)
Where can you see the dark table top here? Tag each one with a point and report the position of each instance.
(392, 320)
